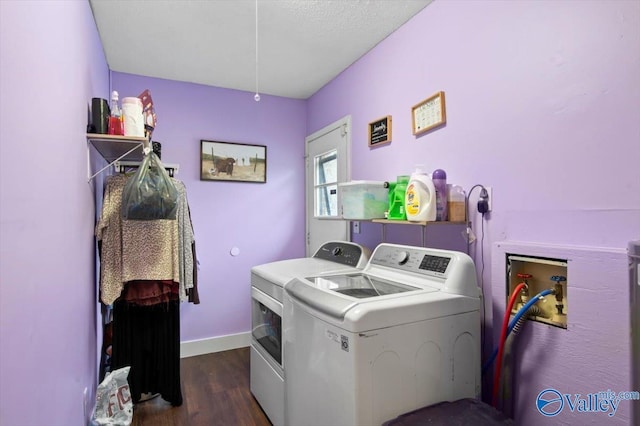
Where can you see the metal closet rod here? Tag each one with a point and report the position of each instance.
(120, 166)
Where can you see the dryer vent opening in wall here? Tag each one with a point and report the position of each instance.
(540, 274)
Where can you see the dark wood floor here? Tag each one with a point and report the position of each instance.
(215, 388)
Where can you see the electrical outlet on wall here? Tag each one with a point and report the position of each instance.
(356, 227)
(490, 199)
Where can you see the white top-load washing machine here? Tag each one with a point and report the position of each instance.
(268, 366)
(363, 348)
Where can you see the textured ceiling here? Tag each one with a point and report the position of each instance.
(302, 44)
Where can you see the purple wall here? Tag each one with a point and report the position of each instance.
(532, 89)
(265, 221)
(52, 65)
(542, 101)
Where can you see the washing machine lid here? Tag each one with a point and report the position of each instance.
(284, 270)
(336, 295)
(360, 286)
(333, 257)
(363, 311)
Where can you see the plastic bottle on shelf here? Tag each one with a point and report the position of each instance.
(115, 119)
(457, 197)
(133, 120)
(440, 183)
(396, 199)
(420, 198)
(391, 186)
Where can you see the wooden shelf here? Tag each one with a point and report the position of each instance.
(112, 147)
(423, 224)
(406, 222)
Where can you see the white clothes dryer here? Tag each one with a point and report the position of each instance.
(365, 347)
(267, 362)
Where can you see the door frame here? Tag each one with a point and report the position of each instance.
(343, 123)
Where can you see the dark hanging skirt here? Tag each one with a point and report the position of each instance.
(147, 338)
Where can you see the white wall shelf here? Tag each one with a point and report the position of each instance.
(113, 148)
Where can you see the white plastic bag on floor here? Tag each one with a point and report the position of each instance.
(114, 406)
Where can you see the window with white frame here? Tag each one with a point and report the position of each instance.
(326, 184)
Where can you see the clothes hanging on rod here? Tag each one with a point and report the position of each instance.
(128, 245)
(147, 268)
(147, 338)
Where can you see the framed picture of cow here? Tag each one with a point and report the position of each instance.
(233, 162)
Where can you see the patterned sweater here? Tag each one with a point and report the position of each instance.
(143, 249)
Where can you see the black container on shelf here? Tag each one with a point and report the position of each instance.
(99, 116)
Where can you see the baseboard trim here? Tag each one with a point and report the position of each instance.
(214, 344)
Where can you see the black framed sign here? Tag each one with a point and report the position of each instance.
(380, 131)
(233, 162)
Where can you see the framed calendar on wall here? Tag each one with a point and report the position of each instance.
(428, 114)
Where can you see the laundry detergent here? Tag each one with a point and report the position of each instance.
(420, 198)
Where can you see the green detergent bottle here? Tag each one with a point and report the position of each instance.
(396, 199)
(390, 190)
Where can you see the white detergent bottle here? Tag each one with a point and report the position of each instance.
(420, 198)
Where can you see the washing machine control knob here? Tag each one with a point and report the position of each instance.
(402, 257)
(337, 251)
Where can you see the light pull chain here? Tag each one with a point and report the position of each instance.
(257, 96)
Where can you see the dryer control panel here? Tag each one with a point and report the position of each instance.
(344, 253)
